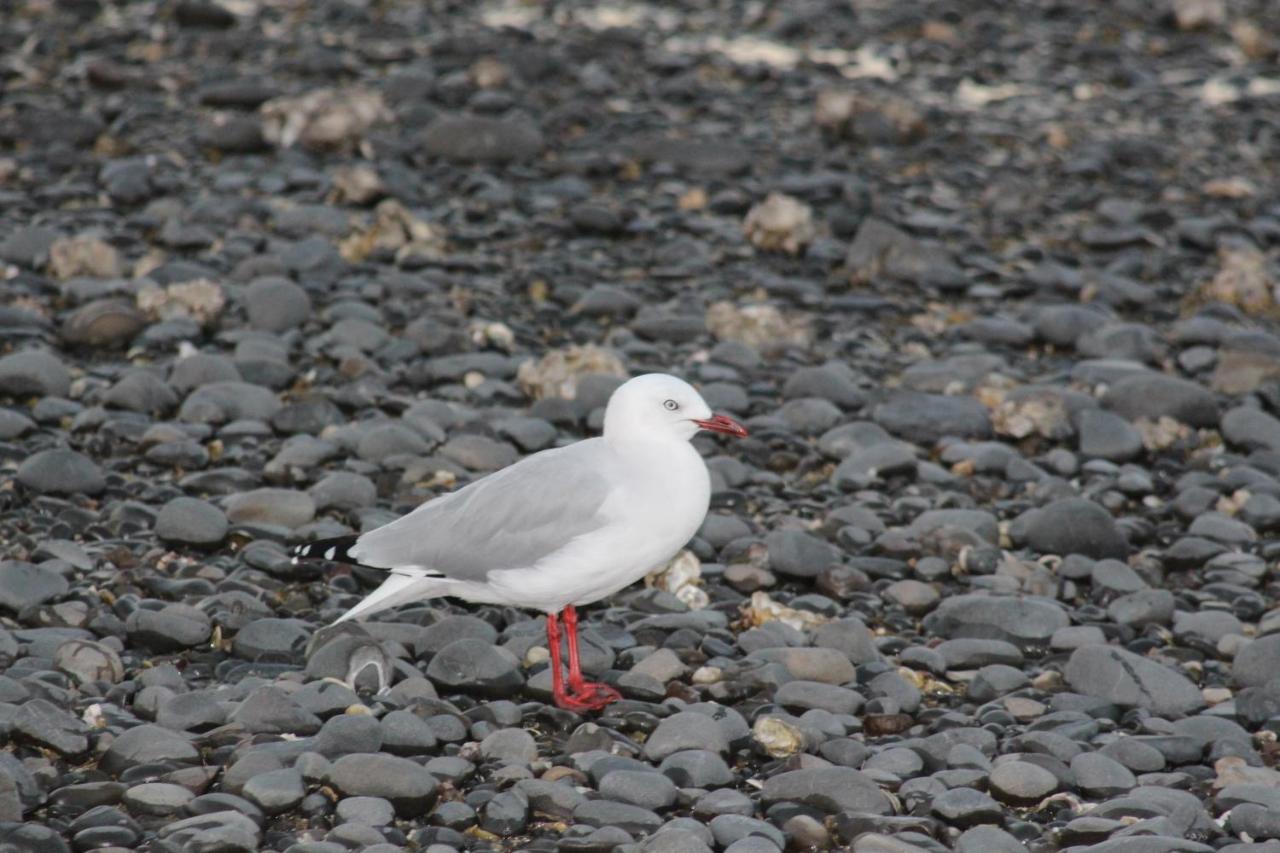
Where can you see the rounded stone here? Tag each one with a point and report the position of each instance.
(25, 584)
(1130, 680)
(1258, 662)
(685, 730)
(34, 372)
(276, 304)
(1075, 526)
(1156, 395)
(103, 323)
(1021, 782)
(470, 139)
(475, 666)
(61, 472)
(190, 521)
(88, 662)
(157, 798)
(409, 788)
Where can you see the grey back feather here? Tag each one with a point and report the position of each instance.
(508, 520)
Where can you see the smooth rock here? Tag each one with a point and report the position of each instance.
(1131, 680)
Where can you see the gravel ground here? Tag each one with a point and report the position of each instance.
(994, 286)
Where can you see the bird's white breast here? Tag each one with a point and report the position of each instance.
(661, 501)
(668, 491)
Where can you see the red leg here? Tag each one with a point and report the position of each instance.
(591, 693)
(575, 665)
(553, 645)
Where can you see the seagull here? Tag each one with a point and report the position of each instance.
(558, 529)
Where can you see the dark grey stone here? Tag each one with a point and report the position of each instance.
(276, 791)
(34, 372)
(1257, 662)
(646, 789)
(148, 744)
(474, 666)
(191, 521)
(829, 789)
(1074, 526)
(682, 731)
(799, 554)
(481, 139)
(61, 472)
(406, 785)
(1131, 680)
(923, 419)
(1156, 395)
(24, 584)
(1021, 621)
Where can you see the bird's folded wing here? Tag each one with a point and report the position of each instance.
(510, 519)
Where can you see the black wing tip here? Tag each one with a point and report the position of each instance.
(336, 550)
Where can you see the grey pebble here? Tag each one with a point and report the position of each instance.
(406, 785)
(34, 372)
(276, 791)
(25, 584)
(61, 471)
(191, 521)
(471, 665)
(1074, 526)
(1130, 680)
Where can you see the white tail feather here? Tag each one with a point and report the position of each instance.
(401, 587)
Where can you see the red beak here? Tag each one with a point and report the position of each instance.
(724, 424)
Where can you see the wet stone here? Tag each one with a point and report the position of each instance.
(148, 744)
(1155, 395)
(61, 472)
(1100, 776)
(509, 746)
(1107, 436)
(1075, 526)
(683, 731)
(633, 819)
(474, 666)
(1020, 621)
(369, 811)
(272, 640)
(157, 798)
(88, 662)
(648, 790)
(42, 722)
(171, 628)
(24, 584)
(481, 139)
(1130, 680)
(276, 304)
(799, 554)
(967, 807)
(269, 710)
(506, 814)
(828, 789)
(1256, 663)
(923, 419)
(406, 785)
(1021, 782)
(275, 791)
(191, 521)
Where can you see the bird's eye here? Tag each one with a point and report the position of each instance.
(671, 405)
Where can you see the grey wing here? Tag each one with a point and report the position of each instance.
(510, 519)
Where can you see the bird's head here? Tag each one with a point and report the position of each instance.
(657, 405)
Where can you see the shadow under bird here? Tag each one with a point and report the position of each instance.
(558, 529)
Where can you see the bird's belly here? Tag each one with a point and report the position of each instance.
(581, 573)
(650, 532)
(661, 506)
